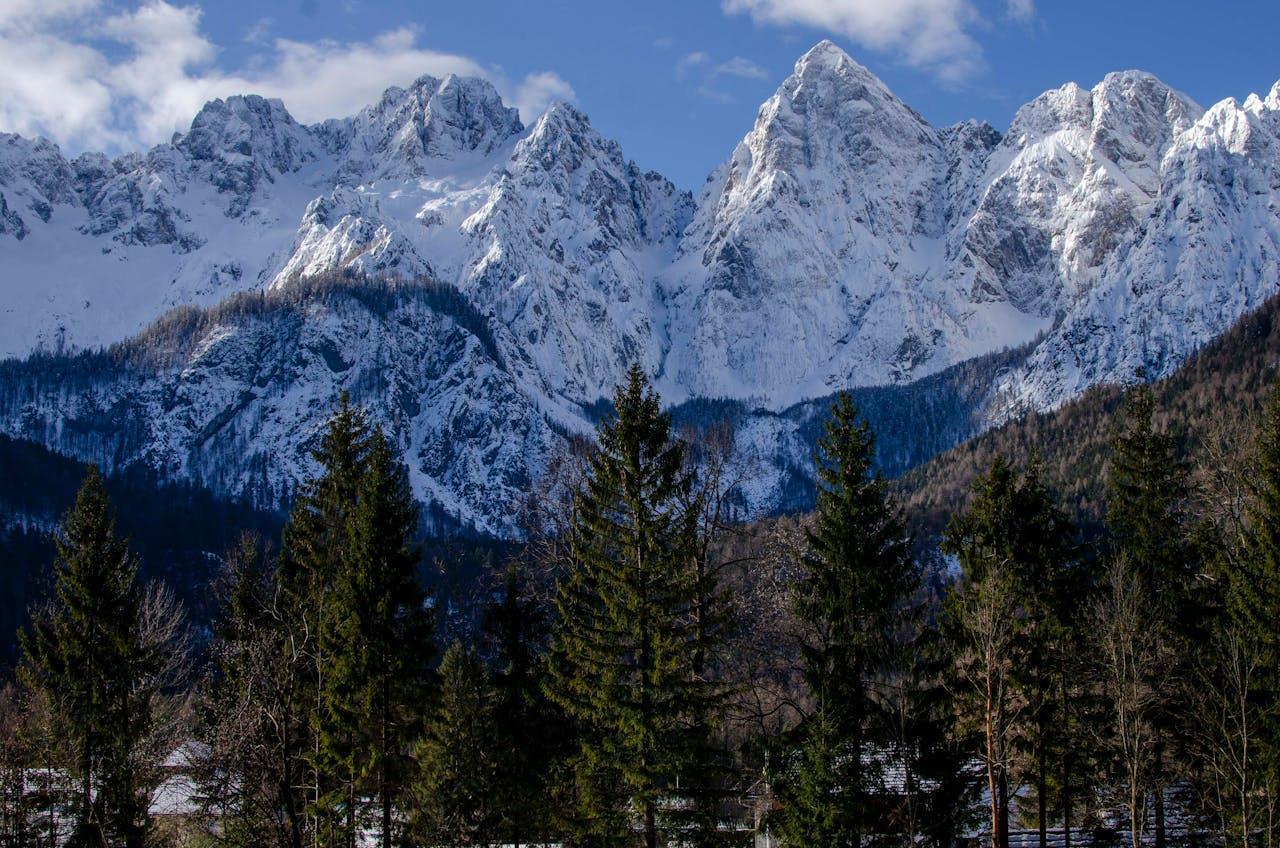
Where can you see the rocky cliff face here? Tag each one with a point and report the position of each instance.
(500, 278)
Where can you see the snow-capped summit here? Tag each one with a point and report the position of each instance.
(408, 128)
(845, 242)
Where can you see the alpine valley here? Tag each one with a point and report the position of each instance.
(480, 285)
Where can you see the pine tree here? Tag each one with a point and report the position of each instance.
(82, 653)
(1253, 596)
(376, 636)
(859, 575)
(453, 796)
(1052, 588)
(252, 716)
(621, 662)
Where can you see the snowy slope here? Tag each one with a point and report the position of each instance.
(846, 242)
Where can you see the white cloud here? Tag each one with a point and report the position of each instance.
(689, 61)
(740, 67)
(1022, 10)
(538, 91)
(933, 35)
(90, 79)
(258, 30)
(709, 78)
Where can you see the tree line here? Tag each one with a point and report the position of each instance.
(645, 670)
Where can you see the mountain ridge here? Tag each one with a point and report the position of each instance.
(845, 243)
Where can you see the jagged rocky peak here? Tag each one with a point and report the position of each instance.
(248, 129)
(431, 119)
(836, 107)
(35, 167)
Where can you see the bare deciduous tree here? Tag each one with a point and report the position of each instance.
(1132, 673)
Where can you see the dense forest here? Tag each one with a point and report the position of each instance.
(1062, 632)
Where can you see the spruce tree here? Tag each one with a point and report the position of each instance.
(252, 717)
(859, 574)
(315, 539)
(1052, 590)
(457, 784)
(1253, 592)
(530, 729)
(376, 636)
(82, 653)
(622, 658)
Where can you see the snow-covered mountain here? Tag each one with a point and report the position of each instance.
(500, 278)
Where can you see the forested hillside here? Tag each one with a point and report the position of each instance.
(1209, 405)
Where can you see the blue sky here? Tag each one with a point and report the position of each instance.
(676, 82)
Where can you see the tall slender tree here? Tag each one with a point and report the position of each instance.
(529, 727)
(1013, 546)
(376, 636)
(858, 576)
(1148, 519)
(622, 658)
(455, 794)
(81, 651)
(315, 539)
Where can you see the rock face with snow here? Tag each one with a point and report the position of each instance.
(846, 242)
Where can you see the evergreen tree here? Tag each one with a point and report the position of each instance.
(375, 634)
(1253, 593)
(82, 652)
(859, 574)
(1053, 595)
(987, 617)
(1147, 518)
(529, 727)
(315, 539)
(622, 659)
(251, 715)
(456, 788)
(1246, 664)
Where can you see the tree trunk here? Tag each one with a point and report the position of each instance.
(1159, 799)
(1004, 808)
(992, 789)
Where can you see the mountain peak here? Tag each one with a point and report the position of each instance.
(249, 130)
(826, 59)
(826, 53)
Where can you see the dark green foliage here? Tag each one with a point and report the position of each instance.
(375, 634)
(858, 576)
(171, 528)
(1148, 516)
(455, 798)
(83, 651)
(531, 733)
(1147, 506)
(252, 718)
(1253, 590)
(315, 541)
(622, 659)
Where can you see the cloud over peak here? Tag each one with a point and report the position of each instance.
(935, 36)
(91, 78)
